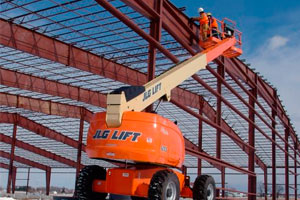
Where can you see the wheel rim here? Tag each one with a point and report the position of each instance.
(171, 191)
(210, 192)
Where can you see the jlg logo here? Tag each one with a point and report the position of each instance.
(116, 135)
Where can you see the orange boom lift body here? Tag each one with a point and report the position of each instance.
(147, 144)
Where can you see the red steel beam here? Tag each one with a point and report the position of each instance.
(219, 112)
(218, 131)
(155, 32)
(191, 146)
(286, 157)
(38, 129)
(274, 154)
(266, 183)
(43, 106)
(13, 181)
(216, 161)
(35, 43)
(4, 166)
(12, 155)
(223, 181)
(118, 14)
(27, 182)
(205, 120)
(295, 170)
(48, 178)
(28, 82)
(8, 140)
(172, 19)
(25, 161)
(200, 129)
(79, 149)
(251, 139)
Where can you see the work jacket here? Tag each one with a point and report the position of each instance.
(213, 23)
(203, 19)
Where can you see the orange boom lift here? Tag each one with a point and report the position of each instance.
(151, 146)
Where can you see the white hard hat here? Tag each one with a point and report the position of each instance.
(200, 10)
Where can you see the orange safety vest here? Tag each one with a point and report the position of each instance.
(213, 23)
(203, 19)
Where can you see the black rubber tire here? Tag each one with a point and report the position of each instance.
(201, 185)
(159, 183)
(138, 198)
(85, 181)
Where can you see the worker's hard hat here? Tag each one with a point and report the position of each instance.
(209, 14)
(200, 10)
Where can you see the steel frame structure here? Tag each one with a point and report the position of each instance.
(58, 59)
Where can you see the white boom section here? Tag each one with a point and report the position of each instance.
(162, 85)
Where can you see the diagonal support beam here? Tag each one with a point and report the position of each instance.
(27, 82)
(25, 161)
(4, 166)
(32, 42)
(118, 14)
(44, 106)
(8, 140)
(38, 129)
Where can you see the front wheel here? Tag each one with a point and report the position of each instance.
(84, 183)
(164, 185)
(204, 188)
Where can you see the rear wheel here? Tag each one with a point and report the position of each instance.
(164, 185)
(204, 188)
(85, 180)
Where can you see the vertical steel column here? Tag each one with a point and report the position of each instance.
(48, 179)
(155, 32)
(79, 150)
(295, 168)
(219, 110)
(274, 150)
(223, 180)
(251, 139)
(14, 176)
(200, 129)
(221, 72)
(266, 182)
(287, 131)
(28, 178)
(12, 157)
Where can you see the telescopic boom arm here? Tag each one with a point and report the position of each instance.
(137, 98)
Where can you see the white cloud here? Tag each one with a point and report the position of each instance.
(279, 62)
(276, 42)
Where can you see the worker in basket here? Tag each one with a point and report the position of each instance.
(213, 26)
(203, 21)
